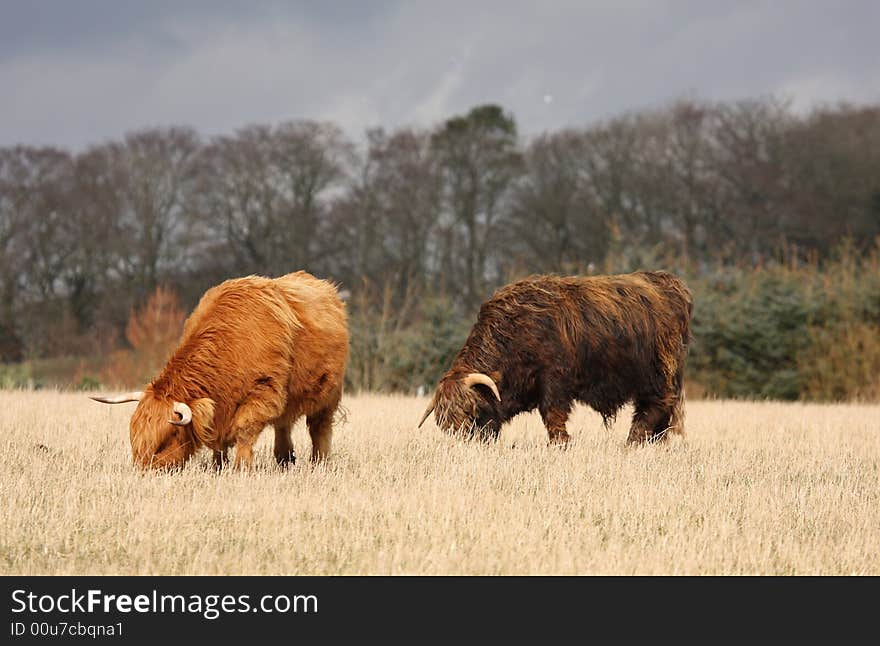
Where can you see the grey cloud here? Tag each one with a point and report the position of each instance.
(78, 73)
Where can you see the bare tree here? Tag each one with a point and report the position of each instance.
(389, 211)
(833, 159)
(749, 159)
(478, 156)
(95, 274)
(268, 189)
(691, 196)
(554, 214)
(14, 199)
(148, 178)
(617, 166)
(34, 187)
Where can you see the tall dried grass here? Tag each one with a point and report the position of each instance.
(758, 488)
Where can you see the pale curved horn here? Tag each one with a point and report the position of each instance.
(134, 396)
(479, 378)
(427, 412)
(186, 414)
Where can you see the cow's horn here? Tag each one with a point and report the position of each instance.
(479, 378)
(134, 396)
(186, 414)
(429, 410)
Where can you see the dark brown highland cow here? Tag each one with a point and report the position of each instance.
(548, 341)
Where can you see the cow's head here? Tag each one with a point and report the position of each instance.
(466, 403)
(164, 433)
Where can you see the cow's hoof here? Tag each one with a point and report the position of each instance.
(560, 440)
(286, 460)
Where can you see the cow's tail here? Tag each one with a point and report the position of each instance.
(676, 419)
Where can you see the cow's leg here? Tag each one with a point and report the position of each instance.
(244, 445)
(650, 421)
(321, 431)
(220, 459)
(263, 405)
(320, 424)
(245, 438)
(283, 445)
(555, 417)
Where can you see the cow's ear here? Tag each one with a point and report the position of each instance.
(203, 420)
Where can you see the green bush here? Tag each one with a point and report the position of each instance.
(427, 350)
(88, 382)
(783, 331)
(747, 336)
(398, 347)
(14, 376)
(806, 332)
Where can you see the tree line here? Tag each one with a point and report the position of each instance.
(419, 226)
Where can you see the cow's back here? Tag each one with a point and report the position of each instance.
(272, 318)
(241, 306)
(676, 294)
(600, 339)
(320, 354)
(315, 303)
(242, 331)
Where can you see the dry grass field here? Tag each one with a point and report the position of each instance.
(758, 488)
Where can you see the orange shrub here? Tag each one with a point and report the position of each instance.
(153, 331)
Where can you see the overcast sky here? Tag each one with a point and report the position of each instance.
(79, 72)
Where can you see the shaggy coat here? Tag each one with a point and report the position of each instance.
(548, 341)
(255, 351)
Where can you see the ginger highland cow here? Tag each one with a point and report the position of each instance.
(255, 351)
